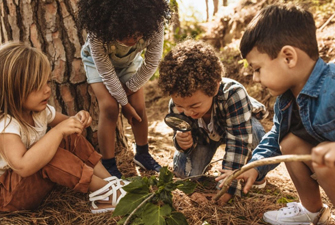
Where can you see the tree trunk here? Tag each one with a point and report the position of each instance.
(174, 29)
(50, 25)
(216, 6)
(207, 11)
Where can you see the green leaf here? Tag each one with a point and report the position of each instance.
(176, 218)
(170, 186)
(129, 202)
(121, 221)
(138, 186)
(284, 200)
(165, 176)
(186, 186)
(155, 215)
(137, 221)
(152, 181)
(133, 221)
(166, 197)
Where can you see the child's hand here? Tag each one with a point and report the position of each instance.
(70, 126)
(249, 177)
(324, 155)
(84, 117)
(224, 175)
(130, 113)
(127, 90)
(184, 139)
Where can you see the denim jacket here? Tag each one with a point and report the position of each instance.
(316, 102)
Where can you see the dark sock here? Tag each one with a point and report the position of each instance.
(108, 163)
(140, 149)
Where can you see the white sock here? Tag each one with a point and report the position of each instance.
(310, 214)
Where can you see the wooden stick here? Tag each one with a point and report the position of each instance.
(261, 162)
(326, 23)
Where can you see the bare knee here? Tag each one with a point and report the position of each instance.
(109, 111)
(292, 144)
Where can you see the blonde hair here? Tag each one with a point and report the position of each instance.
(23, 69)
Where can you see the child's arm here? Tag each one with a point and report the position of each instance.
(268, 147)
(27, 162)
(110, 79)
(324, 155)
(83, 116)
(237, 111)
(107, 71)
(152, 58)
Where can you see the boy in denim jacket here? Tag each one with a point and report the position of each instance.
(220, 108)
(281, 47)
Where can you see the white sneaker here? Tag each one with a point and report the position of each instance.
(295, 214)
(106, 198)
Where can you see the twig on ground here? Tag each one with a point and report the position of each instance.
(326, 23)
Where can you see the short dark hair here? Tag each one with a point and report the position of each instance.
(110, 20)
(276, 26)
(188, 67)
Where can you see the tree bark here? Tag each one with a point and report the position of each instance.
(216, 6)
(50, 25)
(174, 29)
(207, 11)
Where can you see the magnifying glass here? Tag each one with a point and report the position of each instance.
(178, 122)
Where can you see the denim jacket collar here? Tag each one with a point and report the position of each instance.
(311, 88)
(315, 80)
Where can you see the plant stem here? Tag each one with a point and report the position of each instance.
(139, 206)
(195, 176)
(261, 162)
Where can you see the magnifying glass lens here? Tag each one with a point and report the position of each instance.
(178, 122)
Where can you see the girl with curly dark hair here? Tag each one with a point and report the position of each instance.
(118, 32)
(219, 110)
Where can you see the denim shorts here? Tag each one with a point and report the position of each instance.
(127, 66)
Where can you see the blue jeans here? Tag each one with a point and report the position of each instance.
(192, 164)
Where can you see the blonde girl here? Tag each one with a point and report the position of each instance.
(32, 161)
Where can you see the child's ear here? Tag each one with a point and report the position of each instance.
(289, 55)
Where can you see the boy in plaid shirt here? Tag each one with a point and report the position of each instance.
(221, 109)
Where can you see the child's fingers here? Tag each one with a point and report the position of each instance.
(89, 121)
(318, 154)
(184, 142)
(248, 185)
(324, 155)
(137, 117)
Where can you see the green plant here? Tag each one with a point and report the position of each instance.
(149, 200)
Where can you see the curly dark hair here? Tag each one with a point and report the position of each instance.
(188, 67)
(110, 20)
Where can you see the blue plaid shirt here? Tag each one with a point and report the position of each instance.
(233, 109)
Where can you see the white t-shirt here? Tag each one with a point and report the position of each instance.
(41, 120)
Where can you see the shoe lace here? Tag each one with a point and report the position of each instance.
(292, 208)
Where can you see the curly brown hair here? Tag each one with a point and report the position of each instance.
(188, 67)
(110, 20)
